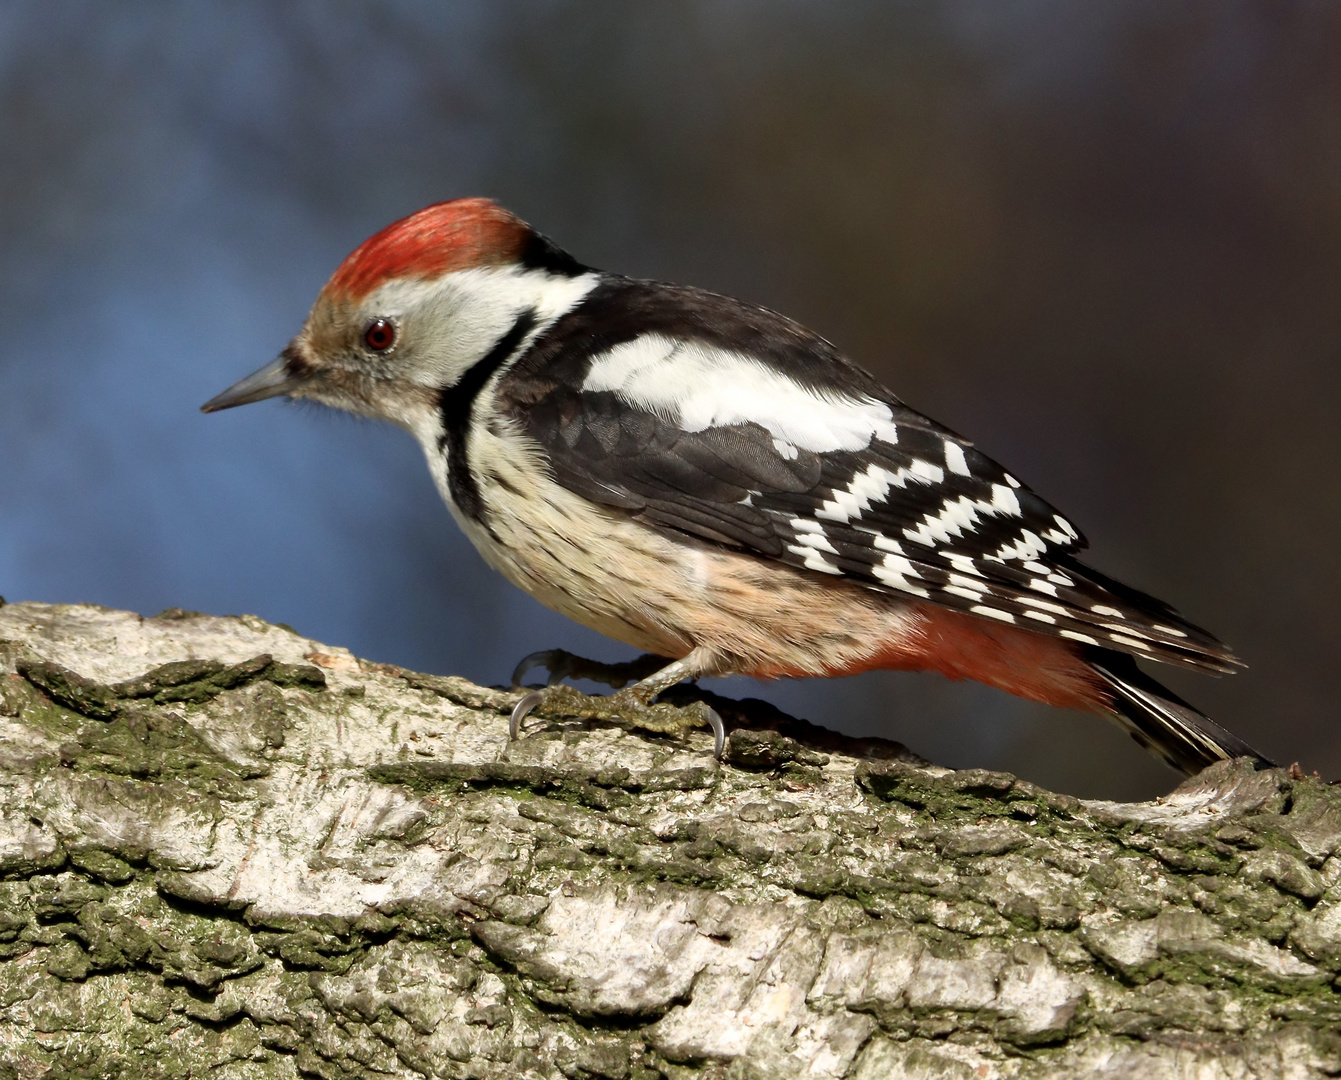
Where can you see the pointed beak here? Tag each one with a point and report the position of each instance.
(273, 380)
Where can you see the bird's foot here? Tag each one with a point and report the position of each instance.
(561, 664)
(627, 708)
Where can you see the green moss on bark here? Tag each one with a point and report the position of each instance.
(214, 866)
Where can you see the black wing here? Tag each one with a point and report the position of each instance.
(913, 510)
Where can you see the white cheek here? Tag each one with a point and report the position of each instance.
(450, 323)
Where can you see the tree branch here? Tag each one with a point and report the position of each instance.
(228, 849)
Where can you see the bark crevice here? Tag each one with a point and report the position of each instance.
(226, 848)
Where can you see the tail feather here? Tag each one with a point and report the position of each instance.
(1164, 723)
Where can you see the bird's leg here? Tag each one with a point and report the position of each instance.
(634, 705)
(561, 664)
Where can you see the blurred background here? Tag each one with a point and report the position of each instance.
(1101, 239)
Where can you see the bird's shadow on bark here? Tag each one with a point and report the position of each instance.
(749, 721)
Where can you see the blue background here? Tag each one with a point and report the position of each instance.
(1101, 239)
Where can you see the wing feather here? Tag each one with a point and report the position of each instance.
(902, 505)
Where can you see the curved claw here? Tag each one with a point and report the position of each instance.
(544, 658)
(521, 710)
(718, 732)
(528, 703)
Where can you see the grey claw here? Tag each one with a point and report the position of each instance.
(535, 660)
(718, 732)
(520, 711)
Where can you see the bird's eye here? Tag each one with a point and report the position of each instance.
(379, 335)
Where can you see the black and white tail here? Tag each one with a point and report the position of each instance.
(1164, 723)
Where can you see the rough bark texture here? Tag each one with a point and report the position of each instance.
(228, 850)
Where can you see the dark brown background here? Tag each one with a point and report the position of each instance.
(1102, 239)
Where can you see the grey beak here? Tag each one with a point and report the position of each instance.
(272, 380)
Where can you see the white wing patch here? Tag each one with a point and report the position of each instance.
(959, 515)
(871, 485)
(697, 387)
(954, 458)
(896, 571)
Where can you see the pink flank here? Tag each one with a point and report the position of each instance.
(960, 646)
(1016, 660)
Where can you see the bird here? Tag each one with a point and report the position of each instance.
(711, 482)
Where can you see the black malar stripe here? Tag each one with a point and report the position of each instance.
(455, 404)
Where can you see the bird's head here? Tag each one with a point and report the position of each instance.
(412, 309)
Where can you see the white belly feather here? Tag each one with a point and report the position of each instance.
(659, 592)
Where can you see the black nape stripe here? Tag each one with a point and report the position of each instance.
(455, 404)
(541, 253)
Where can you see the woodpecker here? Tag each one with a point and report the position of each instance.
(713, 483)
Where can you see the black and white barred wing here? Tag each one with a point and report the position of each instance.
(732, 448)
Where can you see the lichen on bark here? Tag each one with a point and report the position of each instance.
(228, 849)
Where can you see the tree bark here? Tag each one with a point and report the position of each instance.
(228, 850)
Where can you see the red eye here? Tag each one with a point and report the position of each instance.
(380, 335)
